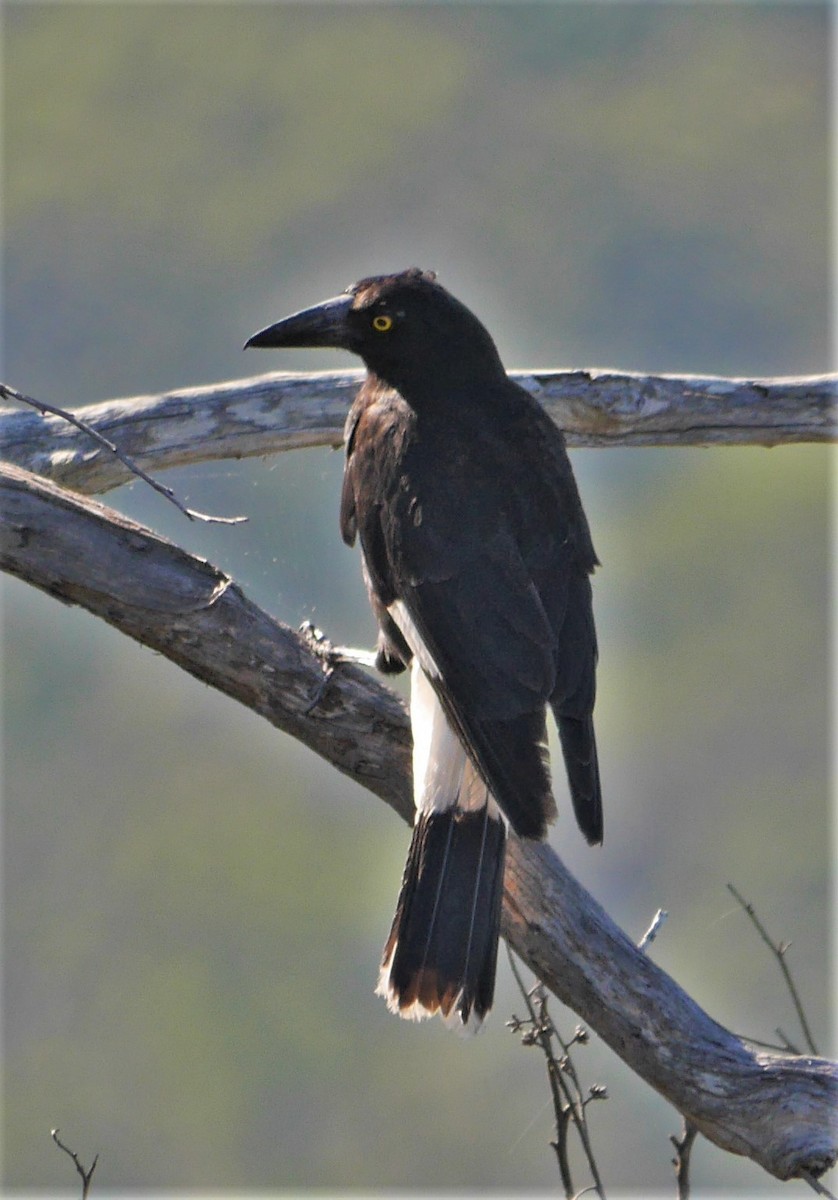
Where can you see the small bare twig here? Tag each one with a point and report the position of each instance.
(778, 949)
(786, 1043)
(684, 1144)
(10, 393)
(653, 930)
(681, 1161)
(569, 1103)
(86, 1176)
(816, 1185)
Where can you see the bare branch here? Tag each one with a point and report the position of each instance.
(681, 1161)
(658, 921)
(765, 1105)
(778, 949)
(569, 1104)
(816, 1186)
(269, 413)
(83, 553)
(775, 1108)
(86, 1176)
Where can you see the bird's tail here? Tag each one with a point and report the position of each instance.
(441, 953)
(580, 757)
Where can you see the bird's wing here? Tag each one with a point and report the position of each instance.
(477, 590)
(485, 642)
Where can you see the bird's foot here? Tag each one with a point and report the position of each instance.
(330, 656)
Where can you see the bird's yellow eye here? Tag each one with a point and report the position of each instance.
(382, 322)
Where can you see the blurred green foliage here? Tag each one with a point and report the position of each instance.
(194, 906)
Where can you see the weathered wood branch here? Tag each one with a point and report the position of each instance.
(285, 411)
(778, 1109)
(84, 553)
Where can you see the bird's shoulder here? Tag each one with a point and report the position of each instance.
(441, 483)
(378, 424)
(378, 427)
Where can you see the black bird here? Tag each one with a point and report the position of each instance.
(477, 558)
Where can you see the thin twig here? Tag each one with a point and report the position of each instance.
(653, 930)
(683, 1147)
(10, 393)
(778, 949)
(786, 1043)
(569, 1108)
(86, 1176)
(816, 1185)
(681, 1161)
(563, 1106)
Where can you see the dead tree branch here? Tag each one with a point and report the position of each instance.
(779, 950)
(778, 1109)
(681, 1162)
(569, 1101)
(86, 1176)
(269, 413)
(83, 553)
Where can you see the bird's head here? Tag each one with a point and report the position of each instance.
(406, 327)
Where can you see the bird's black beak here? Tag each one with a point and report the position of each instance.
(324, 325)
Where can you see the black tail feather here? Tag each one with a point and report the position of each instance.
(442, 949)
(580, 757)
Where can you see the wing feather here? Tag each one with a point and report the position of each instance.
(485, 581)
(484, 641)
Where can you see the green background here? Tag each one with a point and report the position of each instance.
(194, 905)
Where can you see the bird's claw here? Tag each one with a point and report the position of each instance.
(330, 656)
(322, 649)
